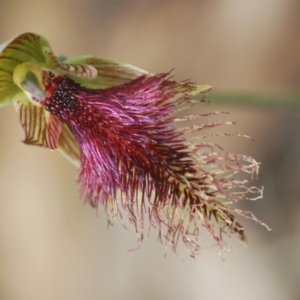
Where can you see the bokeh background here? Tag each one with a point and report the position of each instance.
(54, 247)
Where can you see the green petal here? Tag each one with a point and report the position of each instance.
(68, 146)
(41, 128)
(27, 47)
(110, 73)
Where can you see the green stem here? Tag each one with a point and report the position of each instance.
(288, 99)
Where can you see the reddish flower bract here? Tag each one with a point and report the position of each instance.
(133, 159)
(127, 132)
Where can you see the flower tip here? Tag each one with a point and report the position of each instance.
(244, 242)
(243, 239)
(203, 89)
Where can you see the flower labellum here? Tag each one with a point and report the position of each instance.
(117, 124)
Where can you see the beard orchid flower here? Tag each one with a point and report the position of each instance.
(116, 123)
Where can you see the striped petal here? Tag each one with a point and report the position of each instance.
(27, 47)
(113, 73)
(41, 128)
(110, 73)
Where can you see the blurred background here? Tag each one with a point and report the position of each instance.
(54, 247)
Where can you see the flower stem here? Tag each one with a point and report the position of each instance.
(274, 99)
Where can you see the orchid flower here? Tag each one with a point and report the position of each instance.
(116, 123)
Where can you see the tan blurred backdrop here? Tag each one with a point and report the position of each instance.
(54, 247)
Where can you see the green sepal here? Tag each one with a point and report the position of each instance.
(110, 73)
(68, 146)
(27, 47)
